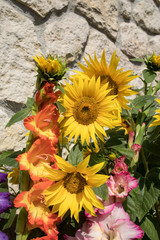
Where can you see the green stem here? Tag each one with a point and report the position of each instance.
(158, 213)
(101, 145)
(59, 149)
(144, 162)
(131, 120)
(145, 88)
(21, 226)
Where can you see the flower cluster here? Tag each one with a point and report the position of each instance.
(44, 132)
(88, 169)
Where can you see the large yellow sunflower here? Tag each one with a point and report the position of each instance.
(116, 78)
(72, 189)
(88, 109)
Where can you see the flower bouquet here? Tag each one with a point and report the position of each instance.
(91, 166)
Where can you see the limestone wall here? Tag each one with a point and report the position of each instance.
(71, 29)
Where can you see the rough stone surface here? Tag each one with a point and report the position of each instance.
(146, 14)
(43, 7)
(125, 9)
(13, 137)
(18, 44)
(133, 40)
(153, 45)
(102, 14)
(67, 36)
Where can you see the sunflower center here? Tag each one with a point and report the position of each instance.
(85, 110)
(74, 182)
(112, 84)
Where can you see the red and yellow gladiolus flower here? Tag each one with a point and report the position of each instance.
(39, 214)
(46, 95)
(40, 153)
(44, 124)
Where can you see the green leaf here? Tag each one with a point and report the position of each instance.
(61, 89)
(3, 189)
(10, 219)
(136, 60)
(30, 102)
(5, 215)
(101, 191)
(8, 158)
(157, 87)
(60, 107)
(124, 151)
(24, 180)
(22, 113)
(149, 75)
(76, 155)
(148, 225)
(18, 116)
(140, 101)
(129, 206)
(21, 224)
(5, 154)
(152, 147)
(144, 196)
(154, 176)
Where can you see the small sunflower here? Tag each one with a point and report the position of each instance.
(48, 65)
(49, 70)
(157, 116)
(116, 78)
(89, 108)
(156, 60)
(72, 189)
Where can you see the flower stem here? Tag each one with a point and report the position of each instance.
(157, 207)
(21, 226)
(144, 161)
(131, 120)
(101, 145)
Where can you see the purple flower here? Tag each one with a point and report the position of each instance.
(3, 177)
(4, 201)
(3, 236)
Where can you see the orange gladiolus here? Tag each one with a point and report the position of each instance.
(39, 214)
(44, 124)
(40, 154)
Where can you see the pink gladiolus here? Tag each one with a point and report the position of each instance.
(121, 184)
(115, 224)
(120, 166)
(136, 148)
(131, 139)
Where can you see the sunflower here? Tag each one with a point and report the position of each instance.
(116, 78)
(48, 65)
(88, 109)
(72, 189)
(157, 116)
